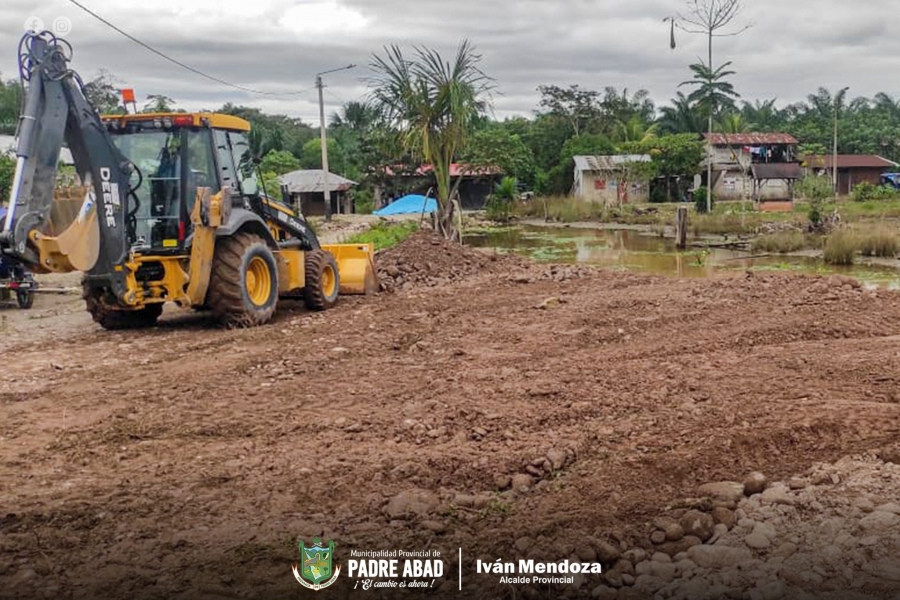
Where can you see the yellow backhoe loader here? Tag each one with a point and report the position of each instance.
(172, 213)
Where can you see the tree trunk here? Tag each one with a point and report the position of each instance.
(710, 147)
(446, 225)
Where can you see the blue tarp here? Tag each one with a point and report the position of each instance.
(412, 204)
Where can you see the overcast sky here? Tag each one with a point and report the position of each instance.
(279, 45)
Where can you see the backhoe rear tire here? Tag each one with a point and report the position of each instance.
(25, 298)
(112, 319)
(323, 281)
(243, 285)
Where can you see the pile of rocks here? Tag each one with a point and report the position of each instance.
(552, 273)
(426, 259)
(832, 532)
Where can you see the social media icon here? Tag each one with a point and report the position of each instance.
(34, 24)
(62, 25)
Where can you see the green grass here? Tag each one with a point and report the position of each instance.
(727, 218)
(880, 241)
(871, 210)
(568, 209)
(385, 235)
(562, 209)
(841, 247)
(780, 243)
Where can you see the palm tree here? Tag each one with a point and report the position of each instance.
(681, 117)
(158, 103)
(888, 105)
(762, 115)
(356, 116)
(621, 107)
(713, 95)
(733, 123)
(821, 103)
(432, 104)
(635, 129)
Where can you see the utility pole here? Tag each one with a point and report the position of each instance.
(834, 164)
(323, 136)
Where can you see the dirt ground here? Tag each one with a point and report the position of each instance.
(187, 460)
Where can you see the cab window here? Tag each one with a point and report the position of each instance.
(201, 167)
(246, 167)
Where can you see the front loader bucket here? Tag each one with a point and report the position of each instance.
(356, 266)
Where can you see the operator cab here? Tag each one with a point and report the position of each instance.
(173, 154)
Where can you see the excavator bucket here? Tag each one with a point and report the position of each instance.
(356, 266)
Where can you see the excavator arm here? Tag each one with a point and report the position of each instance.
(56, 111)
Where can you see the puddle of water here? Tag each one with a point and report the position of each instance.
(643, 252)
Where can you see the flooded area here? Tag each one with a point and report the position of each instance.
(644, 251)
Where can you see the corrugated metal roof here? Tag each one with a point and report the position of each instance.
(850, 161)
(749, 139)
(307, 181)
(607, 163)
(456, 170)
(776, 171)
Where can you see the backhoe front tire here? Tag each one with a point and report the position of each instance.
(243, 285)
(323, 281)
(112, 319)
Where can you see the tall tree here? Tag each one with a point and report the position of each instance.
(103, 93)
(496, 147)
(355, 116)
(158, 103)
(635, 129)
(622, 107)
(433, 103)
(733, 123)
(712, 18)
(680, 117)
(580, 108)
(272, 132)
(714, 94)
(10, 104)
(762, 115)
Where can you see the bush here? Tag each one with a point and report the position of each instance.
(879, 242)
(841, 247)
(658, 194)
(783, 242)
(864, 192)
(7, 168)
(562, 209)
(700, 199)
(385, 234)
(501, 201)
(364, 201)
(815, 189)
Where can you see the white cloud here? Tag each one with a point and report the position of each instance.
(323, 17)
(280, 44)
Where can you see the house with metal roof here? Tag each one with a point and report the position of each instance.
(753, 166)
(306, 188)
(852, 169)
(608, 179)
(474, 184)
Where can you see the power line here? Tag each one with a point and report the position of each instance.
(183, 65)
(339, 100)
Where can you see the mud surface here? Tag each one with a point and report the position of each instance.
(187, 460)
